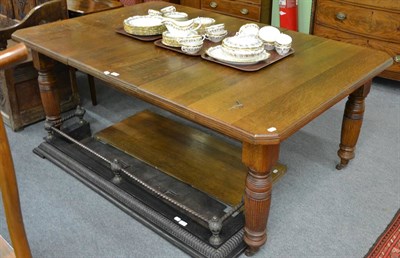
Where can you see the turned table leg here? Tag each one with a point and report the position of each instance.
(351, 126)
(47, 86)
(259, 160)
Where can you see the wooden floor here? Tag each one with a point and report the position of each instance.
(6, 250)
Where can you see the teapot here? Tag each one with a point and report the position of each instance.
(181, 28)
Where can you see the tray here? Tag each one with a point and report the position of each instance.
(121, 30)
(159, 43)
(274, 57)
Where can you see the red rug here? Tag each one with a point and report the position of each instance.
(388, 244)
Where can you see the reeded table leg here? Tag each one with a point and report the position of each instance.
(47, 87)
(351, 126)
(259, 159)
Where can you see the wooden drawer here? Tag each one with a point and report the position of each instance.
(391, 48)
(366, 21)
(191, 3)
(234, 8)
(376, 4)
(370, 23)
(258, 2)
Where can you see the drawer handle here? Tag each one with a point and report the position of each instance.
(397, 58)
(341, 16)
(213, 4)
(244, 11)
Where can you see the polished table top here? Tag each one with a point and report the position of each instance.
(92, 6)
(286, 95)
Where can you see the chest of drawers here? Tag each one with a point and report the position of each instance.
(252, 10)
(369, 23)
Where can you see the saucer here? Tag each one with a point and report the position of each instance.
(218, 53)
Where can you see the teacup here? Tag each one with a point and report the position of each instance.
(168, 9)
(282, 50)
(215, 29)
(283, 44)
(191, 49)
(268, 35)
(194, 40)
(217, 37)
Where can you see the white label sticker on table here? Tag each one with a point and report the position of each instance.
(183, 223)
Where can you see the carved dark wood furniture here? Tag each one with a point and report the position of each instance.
(8, 181)
(20, 101)
(276, 102)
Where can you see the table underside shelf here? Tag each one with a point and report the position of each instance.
(200, 171)
(201, 160)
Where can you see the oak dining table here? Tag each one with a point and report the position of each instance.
(260, 109)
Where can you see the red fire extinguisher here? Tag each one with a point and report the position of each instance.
(288, 14)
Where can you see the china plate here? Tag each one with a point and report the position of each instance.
(144, 21)
(219, 54)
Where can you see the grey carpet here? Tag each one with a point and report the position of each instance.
(316, 210)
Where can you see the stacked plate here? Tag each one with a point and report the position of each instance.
(144, 25)
(172, 40)
(240, 49)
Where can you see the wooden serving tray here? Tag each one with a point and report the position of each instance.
(274, 57)
(121, 30)
(159, 43)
